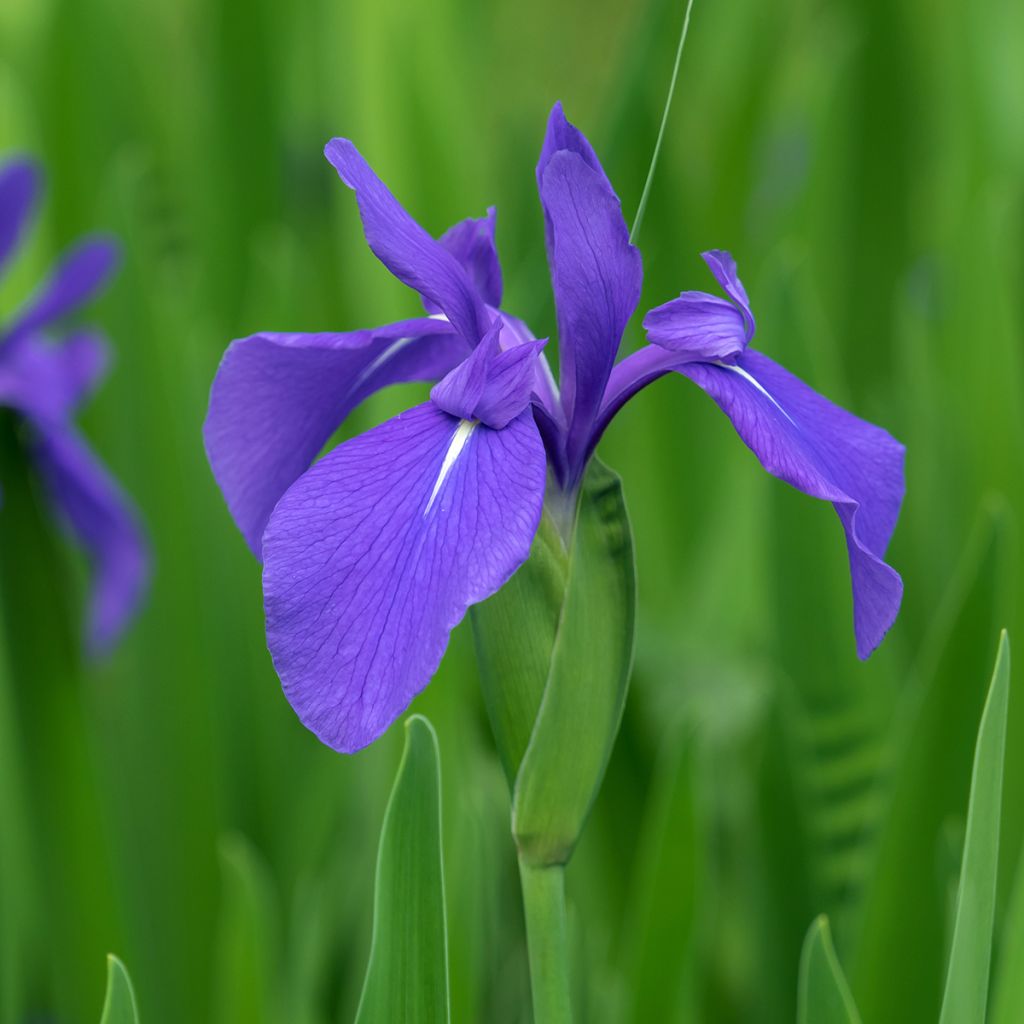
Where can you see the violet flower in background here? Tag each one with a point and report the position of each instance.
(44, 377)
(373, 555)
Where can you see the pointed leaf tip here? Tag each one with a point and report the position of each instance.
(119, 1005)
(966, 993)
(824, 995)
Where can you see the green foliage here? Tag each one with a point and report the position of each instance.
(515, 634)
(579, 714)
(863, 160)
(825, 996)
(119, 1006)
(407, 977)
(966, 996)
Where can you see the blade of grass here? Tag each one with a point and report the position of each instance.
(966, 994)
(825, 996)
(119, 1005)
(407, 977)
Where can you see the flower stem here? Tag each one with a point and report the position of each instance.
(546, 939)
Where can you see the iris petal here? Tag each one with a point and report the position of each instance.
(78, 277)
(596, 276)
(471, 242)
(277, 398)
(19, 189)
(405, 248)
(697, 326)
(103, 520)
(828, 453)
(375, 554)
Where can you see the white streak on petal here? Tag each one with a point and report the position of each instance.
(388, 354)
(457, 443)
(746, 376)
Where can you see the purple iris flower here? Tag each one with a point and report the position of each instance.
(372, 556)
(45, 377)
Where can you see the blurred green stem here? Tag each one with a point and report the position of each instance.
(544, 902)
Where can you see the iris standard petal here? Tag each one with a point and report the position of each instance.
(596, 276)
(560, 136)
(471, 242)
(408, 251)
(19, 188)
(77, 278)
(277, 398)
(697, 326)
(374, 555)
(103, 520)
(828, 453)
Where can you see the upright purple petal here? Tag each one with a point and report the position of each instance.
(491, 385)
(277, 398)
(723, 266)
(77, 278)
(19, 189)
(828, 453)
(596, 276)
(408, 251)
(701, 326)
(105, 524)
(562, 136)
(374, 555)
(471, 242)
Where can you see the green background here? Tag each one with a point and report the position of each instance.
(864, 162)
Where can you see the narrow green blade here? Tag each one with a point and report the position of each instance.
(1008, 994)
(824, 996)
(966, 992)
(119, 1006)
(247, 967)
(407, 977)
(564, 764)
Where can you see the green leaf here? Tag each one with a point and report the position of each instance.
(247, 972)
(407, 977)
(515, 632)
(1008, 995)
(824, 996)
(580, 712)
(966, 993)
(931, 746)
(119, 1005)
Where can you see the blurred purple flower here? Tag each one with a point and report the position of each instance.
(45, 379)
(373, 555)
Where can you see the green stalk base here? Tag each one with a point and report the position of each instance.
(547, 942)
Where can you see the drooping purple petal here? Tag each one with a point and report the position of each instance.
(77, 278)
(828, 453)
(374, 555)
(491, 385)
(101, 517)
(697, 326)
(471, 242)
(277, 398)
(19, 188)
(596, 276)
(48, 380)
(408, 251)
